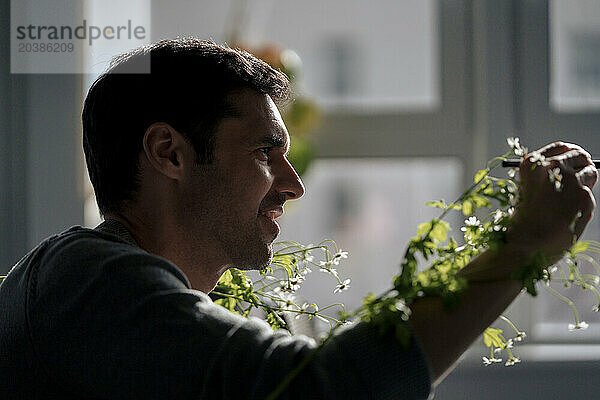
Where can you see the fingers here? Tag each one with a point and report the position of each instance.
(556, 200)
(588, 204)
(570, 158)
(580, 164)
(588, 176)
(558, 148)
(574, 159)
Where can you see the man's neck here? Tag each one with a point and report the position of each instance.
(202, 270)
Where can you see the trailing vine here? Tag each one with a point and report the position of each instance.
(487, 206)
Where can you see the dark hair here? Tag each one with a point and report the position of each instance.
(187, 88)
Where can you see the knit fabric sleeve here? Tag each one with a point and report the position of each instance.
(116, 322)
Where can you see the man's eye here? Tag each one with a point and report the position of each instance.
(265, 150)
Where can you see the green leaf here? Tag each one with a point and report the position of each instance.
(287, 261)
(439, 231)
(482, 173)
(480, 201)
(423, 228)
(467, 207)
(226, 278)
(488, 189)
(492, 337)
(228, 303)
(437, 204)
(579, 247)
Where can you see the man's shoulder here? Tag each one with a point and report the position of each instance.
(79, 242)
(81, 255)
(87, 248)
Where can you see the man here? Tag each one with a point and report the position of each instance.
(190, 172)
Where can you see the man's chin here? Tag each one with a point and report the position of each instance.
(269, 229)
(257, 260)
(269, 259)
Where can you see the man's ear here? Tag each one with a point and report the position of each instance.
(166, 149)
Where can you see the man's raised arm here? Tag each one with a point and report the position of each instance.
(546, 220)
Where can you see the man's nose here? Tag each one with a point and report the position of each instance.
(288, 181)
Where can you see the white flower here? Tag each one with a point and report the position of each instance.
(311, 314)
(401, 306)
(305, 271)
(520, 336)
(287, 288)
(472, 221)
(498, 216)
(306, 256)
(342, 286)
(514, 144)
(488, 361)
(296, 281)
(512, 361)
(338, 256)
(291, 285)
(556, 178)
(538, 158)
(285, 299)
(302, 310)
(596, 308)
(326, 264)
(580, 325)
(512, 172)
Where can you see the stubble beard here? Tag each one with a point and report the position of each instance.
(256, 245)
(251, 250)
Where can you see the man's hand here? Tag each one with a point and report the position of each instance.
(555, 201)
(548, 218)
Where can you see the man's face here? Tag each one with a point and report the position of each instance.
(237, 197)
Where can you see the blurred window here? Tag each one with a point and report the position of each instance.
(354, 53)
(371, 208)
(575, 55)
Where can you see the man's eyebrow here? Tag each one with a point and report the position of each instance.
(275, 140)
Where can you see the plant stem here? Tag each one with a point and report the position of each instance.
(509, 322)
(566, 300)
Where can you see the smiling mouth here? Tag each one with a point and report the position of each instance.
(273, 213)
(269, 225)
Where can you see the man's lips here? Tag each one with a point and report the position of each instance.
(272, 213)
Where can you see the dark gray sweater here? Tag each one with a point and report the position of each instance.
(88, 314)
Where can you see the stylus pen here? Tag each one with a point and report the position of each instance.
(514, 163)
